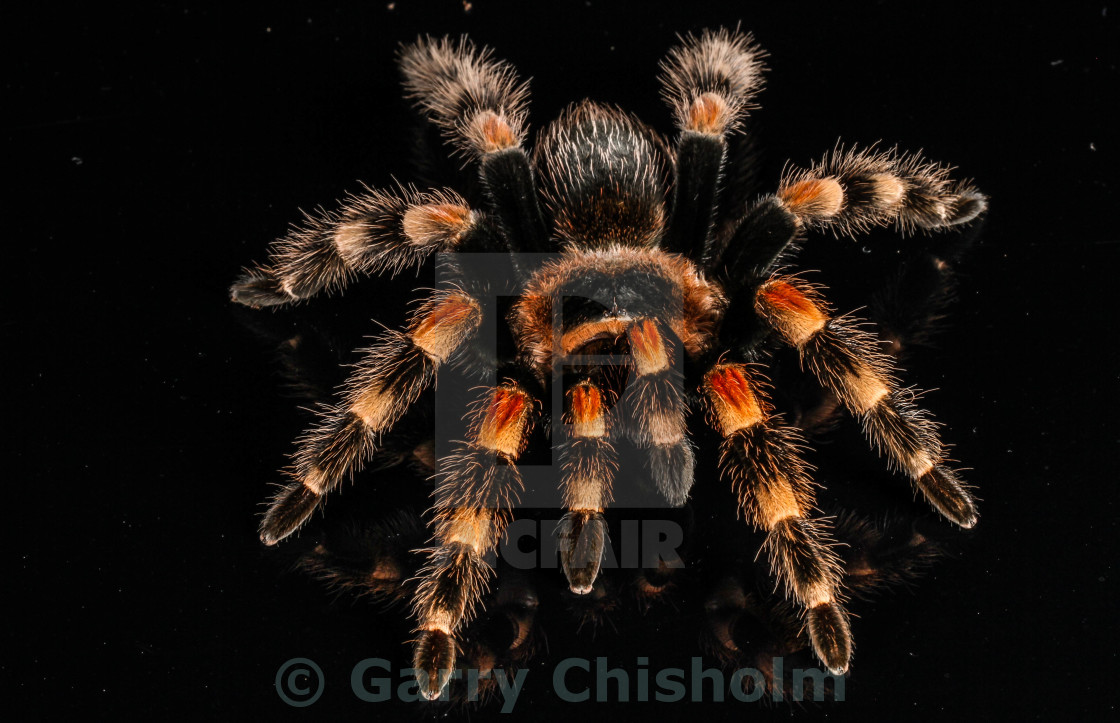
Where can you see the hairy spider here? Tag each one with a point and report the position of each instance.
(640, 272)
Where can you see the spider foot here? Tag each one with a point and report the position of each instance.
(945, 492)
(434, 661)
(831, 636)
(582, 539)
(288, 511)
(258, 288)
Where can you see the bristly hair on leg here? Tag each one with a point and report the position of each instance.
(711, 81)
(851, 190)
(479, 103)
(847, 360)
(372, 232)
(933, 200)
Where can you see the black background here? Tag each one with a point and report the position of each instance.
(150, 153)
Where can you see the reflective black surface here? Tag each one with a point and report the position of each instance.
(151, 153)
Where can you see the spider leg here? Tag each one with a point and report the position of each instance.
(478, 487)
(907, 312)
(765, 234)
(709, 82)
(659, 412)
(370, 233)
(481, 106)
(744, 628)
(760, 457)
(589, 463)
(386, 382)
(502, 639)
(850, 191)
(848, 362)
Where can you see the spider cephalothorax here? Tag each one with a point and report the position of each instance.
(639, 273)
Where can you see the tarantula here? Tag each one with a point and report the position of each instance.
(640, 272)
